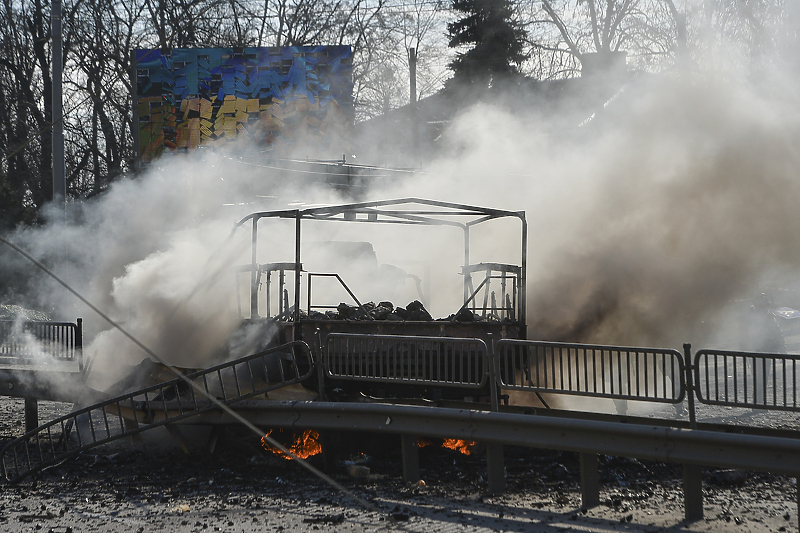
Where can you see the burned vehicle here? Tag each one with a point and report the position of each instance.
(372, 325)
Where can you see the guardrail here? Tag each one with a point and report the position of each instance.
(614, 372)
(588, 438)
(738, 379)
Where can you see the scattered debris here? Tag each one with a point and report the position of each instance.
(328, 519)
(358, 471)
(728, 477)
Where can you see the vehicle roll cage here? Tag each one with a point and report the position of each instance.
(408, 211)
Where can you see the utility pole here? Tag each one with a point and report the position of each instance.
(412, 65)
(59, 174)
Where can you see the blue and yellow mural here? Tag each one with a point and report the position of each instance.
(186, 98)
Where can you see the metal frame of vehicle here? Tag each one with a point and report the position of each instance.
(406, 211)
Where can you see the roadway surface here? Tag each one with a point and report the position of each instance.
(242, 488)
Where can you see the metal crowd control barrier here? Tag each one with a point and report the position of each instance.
(154, 406)
(443, 361)
(28, 342)
(616, 372)
(746, 379)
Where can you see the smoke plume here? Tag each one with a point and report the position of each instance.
(651, 213)
(650, 220)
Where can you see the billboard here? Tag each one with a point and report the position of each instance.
(276, 97)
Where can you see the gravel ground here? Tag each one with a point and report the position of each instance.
(242, 488)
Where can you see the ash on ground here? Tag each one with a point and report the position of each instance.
(241, 487)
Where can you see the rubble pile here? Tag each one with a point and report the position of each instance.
(413, 312)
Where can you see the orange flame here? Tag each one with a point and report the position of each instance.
(463, 446)
(304, 446)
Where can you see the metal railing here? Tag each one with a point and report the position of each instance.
(616, 372)
(310, 307)
(756, 380)
(31, 342)
(154, 406)
(742, 379)
(736, 379)
(509, 296)
(443, 361)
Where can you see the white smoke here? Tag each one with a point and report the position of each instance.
(644, 223)
(155, 253)
(648, 221)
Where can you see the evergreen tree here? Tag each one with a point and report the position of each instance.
(496, 39)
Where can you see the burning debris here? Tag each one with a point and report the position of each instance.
(386, 311)
(304, 445)
(465, 447)
(414, 311)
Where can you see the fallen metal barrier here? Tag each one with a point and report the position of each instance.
(616, 372)
(154, 406)
(589, 370)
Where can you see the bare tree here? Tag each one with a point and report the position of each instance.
(382, 64)
(25, 114)
(735, 29)
(99, 36)
(569, 31)
(656, 34)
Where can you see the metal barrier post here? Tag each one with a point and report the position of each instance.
(495, 468)
(494, 386)
(495, 462)
(79, 344)
(409, 445)
(692, 492)
(692, 478)
(590, 480)
(320, 366)
(687, 351)
(31, 414)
